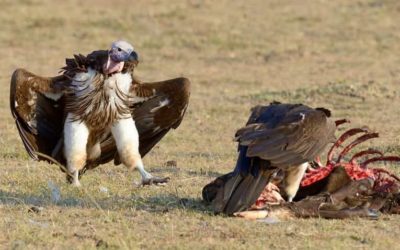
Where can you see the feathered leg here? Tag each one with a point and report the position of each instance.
(76, 135)
(126, 137)
(292, 180)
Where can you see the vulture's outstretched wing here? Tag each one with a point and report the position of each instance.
(163, 109)
(276, 136)
(37, 105)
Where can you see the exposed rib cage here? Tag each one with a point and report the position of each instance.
(384, 181)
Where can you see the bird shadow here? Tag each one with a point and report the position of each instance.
(162, 203)
(175, 170)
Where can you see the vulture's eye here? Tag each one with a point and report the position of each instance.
(119, 49)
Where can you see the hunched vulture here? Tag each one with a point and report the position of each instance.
(277, 138)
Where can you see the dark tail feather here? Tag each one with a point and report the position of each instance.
(235, 192)
(210, 190)
(224, 192)
(247, 191)
(238, 191)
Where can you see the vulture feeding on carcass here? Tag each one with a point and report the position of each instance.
(96, 111)
(279, 152)
(278, 137)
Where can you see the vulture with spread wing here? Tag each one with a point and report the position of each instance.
(96, 111)
(278, 137)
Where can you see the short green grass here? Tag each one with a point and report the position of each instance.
(342, 55)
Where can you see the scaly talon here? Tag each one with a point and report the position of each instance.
(154, 180)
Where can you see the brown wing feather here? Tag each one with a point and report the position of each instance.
(39, 119)
(154, 117)
(298, 137)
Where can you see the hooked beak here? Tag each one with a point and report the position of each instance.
(133, 57)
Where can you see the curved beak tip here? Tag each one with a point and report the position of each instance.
(134, 57)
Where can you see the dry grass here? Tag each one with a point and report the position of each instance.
(339, 54)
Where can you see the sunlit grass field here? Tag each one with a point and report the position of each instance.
(342, 55)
